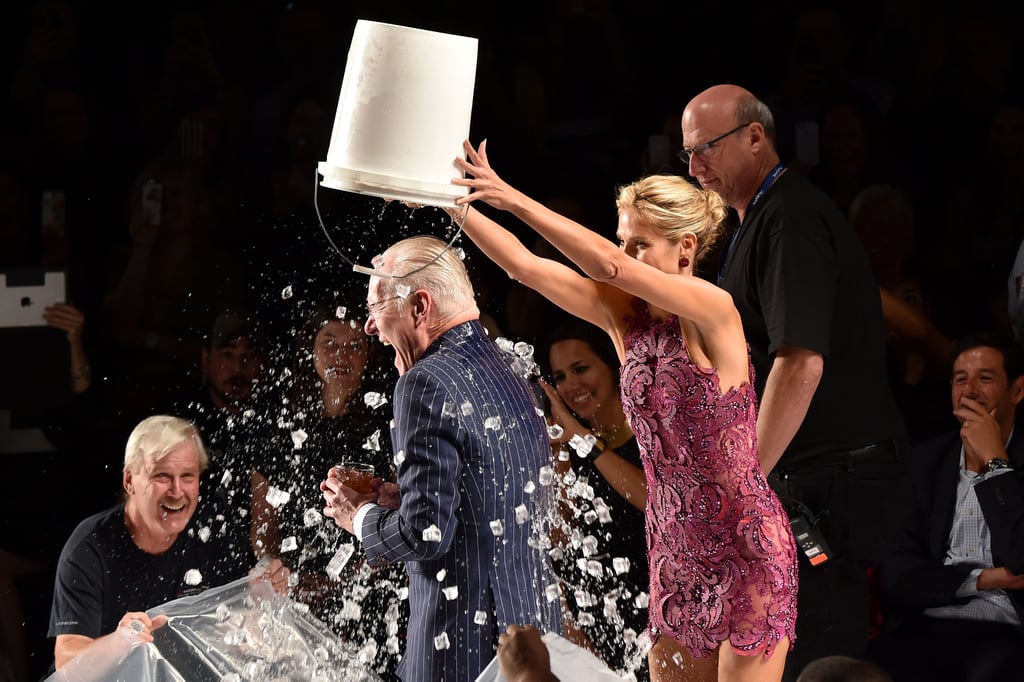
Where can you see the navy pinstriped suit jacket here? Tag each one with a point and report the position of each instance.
(459, 470)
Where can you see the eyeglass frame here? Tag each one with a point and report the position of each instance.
(375, 307)
(685, 154)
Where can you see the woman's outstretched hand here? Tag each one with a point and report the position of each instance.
(484, 183)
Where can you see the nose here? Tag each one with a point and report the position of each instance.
(176, 487)
(371, 326)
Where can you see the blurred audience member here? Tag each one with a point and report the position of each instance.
(953, 577)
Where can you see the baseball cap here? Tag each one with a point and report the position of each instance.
(233, 324)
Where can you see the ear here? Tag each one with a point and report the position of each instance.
(126, 482)
(422, 303)
(1017, 390)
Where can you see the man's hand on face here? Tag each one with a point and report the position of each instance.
(980, 432)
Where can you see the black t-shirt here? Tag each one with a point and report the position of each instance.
(102, 574)
(799, 277)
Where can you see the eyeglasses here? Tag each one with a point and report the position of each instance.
(372, 308)
(702, 150)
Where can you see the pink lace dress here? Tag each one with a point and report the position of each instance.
(722, 556)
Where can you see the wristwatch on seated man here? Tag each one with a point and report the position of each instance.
(997, 463)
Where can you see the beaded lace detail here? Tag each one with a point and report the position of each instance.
(722, 556)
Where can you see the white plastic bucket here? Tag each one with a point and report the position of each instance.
(403, 113)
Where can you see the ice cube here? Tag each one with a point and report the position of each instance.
(555, 431)
(399, 457)
(551, 592)
(372, 442)
(442, 641)
(204, 533)
(451, 593)
(585, 618)
(492, 424)
(277, 497)
(286, 293)
(620, 564)
(311, 517)
(529, 487)
(339, 560)
(289, 544)
(223, 612)
(431, 534)
(374, 399)
(497, 527)
(522, 514)
(341, 311)
(466, 408)
(402, 290)
(193, 577)
(441, 574)
(298, 438)
(480, 617)
(546, 475)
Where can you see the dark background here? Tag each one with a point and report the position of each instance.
(567, 94)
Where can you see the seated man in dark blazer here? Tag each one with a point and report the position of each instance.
(953, 577)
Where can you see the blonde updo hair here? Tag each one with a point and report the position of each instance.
(155, 437)
(674, 206)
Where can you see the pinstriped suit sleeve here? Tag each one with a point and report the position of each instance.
(428, 477)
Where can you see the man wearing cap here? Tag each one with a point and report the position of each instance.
(225, 412)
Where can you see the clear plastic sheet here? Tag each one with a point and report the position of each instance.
(568, 662)
(237, 632)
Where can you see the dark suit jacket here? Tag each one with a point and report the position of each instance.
(912, 574)
(469, 438)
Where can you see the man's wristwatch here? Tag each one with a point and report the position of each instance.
(997, 463)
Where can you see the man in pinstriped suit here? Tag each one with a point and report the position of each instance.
(469, 443)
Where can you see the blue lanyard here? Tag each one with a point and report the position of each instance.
(768, 182)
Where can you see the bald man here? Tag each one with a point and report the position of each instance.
(829, 432)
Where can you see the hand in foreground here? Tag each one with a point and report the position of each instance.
(67, 318)
(270, 570)
(388, 494)
(137, 627)
(523, 655)
(484, 184)
(342, 502)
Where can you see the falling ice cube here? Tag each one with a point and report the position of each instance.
(339, 560)
(373, 442)
(451, 593)
(399, 457)
(642, 600)
(441, 574)
(431, 534)
(523, 349)
(629, 636)
(620, 564)
(225, 480)
(551, 592)
(480, 617)
(234, 637)
(204, 533)
(584, 599)
(298, 438)
(540, 412)
(223, 612)
(585, 618)
(581, 445)
(504, 344)
(546, 475)
(286, 293)
(193, 577)
(448, 409)
(497, 527)
(277, 497)
(522, 514)
(590, 516)
(341, 312)
(289, 544)
(311, 517)
(492, 424)
(556, 554)
(441, 641)
(466, 408)
(402, 290)
(555, 431)
(374, 399)
(563, 455)
(529, 487)
(595, 568)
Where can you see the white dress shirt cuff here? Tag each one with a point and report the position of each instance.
(357, 520)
